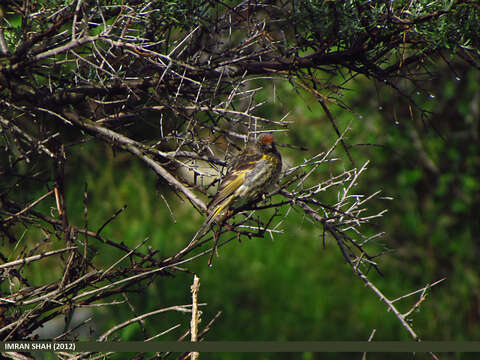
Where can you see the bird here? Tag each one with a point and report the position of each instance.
(252, 173)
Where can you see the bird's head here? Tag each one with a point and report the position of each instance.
(266, 143)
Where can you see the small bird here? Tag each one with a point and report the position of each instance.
(251, 174)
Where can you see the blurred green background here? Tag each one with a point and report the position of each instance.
(292, 288)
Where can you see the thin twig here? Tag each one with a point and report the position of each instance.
(33, 258)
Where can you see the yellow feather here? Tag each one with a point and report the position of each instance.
(219, 208)
(232, 185)
(222, 206)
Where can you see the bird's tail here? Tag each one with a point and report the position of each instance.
(214, 215)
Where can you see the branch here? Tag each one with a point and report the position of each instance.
(182, 308)
(334, 232)
(30, 259)
(28, 207)
(137, 149)
(195, 314)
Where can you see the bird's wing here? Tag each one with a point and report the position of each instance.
(228, 186)
(235, 177)
(224, 196)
